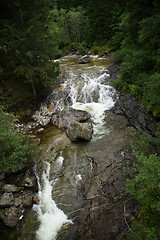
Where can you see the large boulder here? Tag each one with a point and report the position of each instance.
(85, 59)
(64, 118)
(81, 116)
(76, 131)
(10, 216)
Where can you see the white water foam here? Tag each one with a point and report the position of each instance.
(78, 178)
(59, 161)
(50, 216)
(105, 95)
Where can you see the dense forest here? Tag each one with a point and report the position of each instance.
(35, 33)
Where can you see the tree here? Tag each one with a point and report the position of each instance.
(139, 51)
(27, 46)
(144, 186)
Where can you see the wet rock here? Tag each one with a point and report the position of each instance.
(27, 200)
(10, 216)
(17, 201)
(29, 180)
(61, 142)
(105, 71)
(135, 112)
(84, 59)
(81, 116)
(40, 130)
(35, 198)
(116, 121)
(43, 116)
(10, 188)
(6, 200)
(54, 146)
(64, 118)
(83, 131)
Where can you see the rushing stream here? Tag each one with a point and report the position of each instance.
(50, 216)
(80, 184)
(86, 90)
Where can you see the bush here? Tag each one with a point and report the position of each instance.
(15, 149)
(145, 186)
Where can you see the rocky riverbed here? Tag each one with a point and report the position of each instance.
(87, 177)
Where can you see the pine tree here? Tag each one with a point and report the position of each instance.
(27, 46)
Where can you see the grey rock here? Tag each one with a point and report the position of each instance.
(11, 216)
(6, 200)
(10, 188)
(64, 118)
(84, 59)
(29, 180)
(76, 131)
(36, 198)
(27, 200)
(17, 201)
(43, 116)
(40, 130)
(56, 146)
(81, 116)
(135, 112)
(116, 121)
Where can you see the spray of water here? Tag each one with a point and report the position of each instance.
(50, 216)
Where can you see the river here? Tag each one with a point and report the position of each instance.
(81, 185)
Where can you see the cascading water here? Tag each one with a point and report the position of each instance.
(50, 216)
(87, 91)
(95, 97)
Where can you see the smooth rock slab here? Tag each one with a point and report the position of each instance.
(11, 216)
(76, 131)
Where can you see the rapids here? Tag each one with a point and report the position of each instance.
(81, 185)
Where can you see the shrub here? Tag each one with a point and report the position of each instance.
(15, 149)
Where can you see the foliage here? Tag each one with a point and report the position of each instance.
(26, 44)
(142, 232)
(145, 185)
(137, 31)
(15, 149)
(69, 27)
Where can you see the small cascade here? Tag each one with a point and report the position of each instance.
(50, 216)
(96, 97)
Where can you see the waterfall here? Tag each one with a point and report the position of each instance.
(50, 216)
(104, 95)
